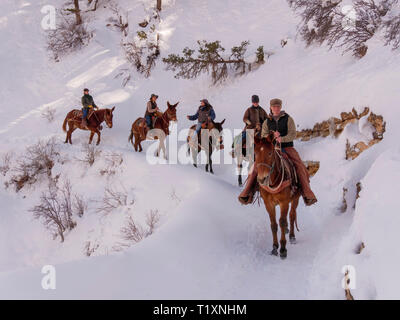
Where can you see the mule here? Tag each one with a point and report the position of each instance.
(213, 129)
(275, 177)
(140, 131)
(243, 152)
(95, 119)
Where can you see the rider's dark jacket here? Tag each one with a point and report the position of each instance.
(203, 113)
(87, 100)
(253, 116)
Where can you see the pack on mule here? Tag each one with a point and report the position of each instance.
(74, 121)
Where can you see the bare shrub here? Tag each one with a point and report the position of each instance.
(80, 205)
(49, 114)
(90, 154)
(134, 232)
(67, 37)
(119, 21)
(112, 200)
(5, 164)
(113, 161)
(174, 196)
(38, 159)
(56, 209)
(90, 248)
(142, 55)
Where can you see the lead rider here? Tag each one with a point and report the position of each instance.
(284, 130)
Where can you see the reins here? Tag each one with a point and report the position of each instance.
(277, 151)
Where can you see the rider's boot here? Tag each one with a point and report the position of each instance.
(247, 194)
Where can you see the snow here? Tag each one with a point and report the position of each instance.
(207, 245)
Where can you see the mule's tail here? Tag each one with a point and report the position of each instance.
(64, 126)
(131, 137)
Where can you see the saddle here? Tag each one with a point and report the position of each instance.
(79, 113)
(290, 171)
(143, 129)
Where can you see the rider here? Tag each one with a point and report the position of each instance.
(87, 103)
(151, 110)
(284, 130)
(204, 114)
(253, 117)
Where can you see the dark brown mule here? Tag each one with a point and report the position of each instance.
(139, 129)
(214, 143)
(74, 121)
(275, 180)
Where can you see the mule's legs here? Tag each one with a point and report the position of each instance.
(91, 137)
(283, 225)
(69, 133)
(274, 227)
(194, 156)
(98, 137)
(135, 145)
(162, 145)
(292, 217)
(240, 182)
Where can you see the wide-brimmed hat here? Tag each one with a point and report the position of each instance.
(153, 95)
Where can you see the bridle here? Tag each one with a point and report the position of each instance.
(277, 151)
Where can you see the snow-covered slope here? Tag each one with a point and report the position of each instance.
(207, 245)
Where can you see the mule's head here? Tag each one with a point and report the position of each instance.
(264, 152)
(108, 117)
(218, 126)
(171, 111)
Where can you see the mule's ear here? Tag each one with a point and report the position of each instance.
(113, 108)
(168, 104)
(176, 104)
(222, 122)
(257, 140)
(270, 137)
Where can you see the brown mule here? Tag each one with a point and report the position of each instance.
(277, 187)
(140, 131)
(74, 121)
(212, 144)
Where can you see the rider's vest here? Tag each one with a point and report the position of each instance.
(280, 125)
(153, 106)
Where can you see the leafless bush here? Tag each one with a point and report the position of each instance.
(90, 248)
(5, 164)
(119, 21)
(80, 205)
(68, 37)
(38, 159)
(56, 209)
(174, 196)
(90, 154)
(328, 22)
(112, 200)
(113, 161)
(133, 232)
(49, 114)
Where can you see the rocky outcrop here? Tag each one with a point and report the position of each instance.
(335, 126)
